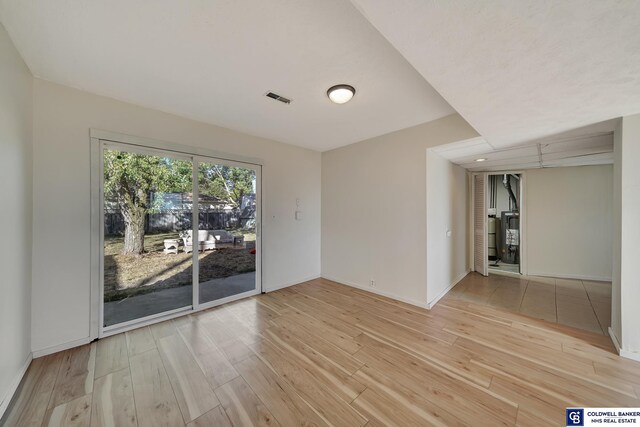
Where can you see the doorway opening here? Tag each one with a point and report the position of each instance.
(503, 223)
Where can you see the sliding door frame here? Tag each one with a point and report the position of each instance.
(101, 140)
(258, 171)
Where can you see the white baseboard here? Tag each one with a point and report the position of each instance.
(13, 387)
(60, 347)
(434, 301)
(378, 292)
(630, 355)
(570, 276)
(286, 285)
(623, 353)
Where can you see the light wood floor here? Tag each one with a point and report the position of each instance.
(320, 354)
(578, 303)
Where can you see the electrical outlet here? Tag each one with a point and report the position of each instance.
(372, 283)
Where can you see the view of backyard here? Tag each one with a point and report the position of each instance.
(149, 237)
(126, 275)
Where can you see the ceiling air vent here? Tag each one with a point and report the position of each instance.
(278, 98)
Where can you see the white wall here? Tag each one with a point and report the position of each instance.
(569, 222)
(447, 208)
(61, 273)
(626, 295)
(374, 209)
(16, 104)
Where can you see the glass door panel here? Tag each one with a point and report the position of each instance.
(148, 217)
(227, 238)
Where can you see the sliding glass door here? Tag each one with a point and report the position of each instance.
(227, 194)
(170, 221)
(147, 206)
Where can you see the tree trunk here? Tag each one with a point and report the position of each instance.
(133, 231)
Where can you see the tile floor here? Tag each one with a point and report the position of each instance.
(579, 303)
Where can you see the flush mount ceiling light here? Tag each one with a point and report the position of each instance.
(341, 93)
(481, 160)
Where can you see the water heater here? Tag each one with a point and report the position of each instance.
(510, 237)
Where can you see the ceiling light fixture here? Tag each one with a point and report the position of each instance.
(341, 93)
(481, 160)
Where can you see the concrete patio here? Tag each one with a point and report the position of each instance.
(170, 299)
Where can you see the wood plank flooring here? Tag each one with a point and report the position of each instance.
(320, 353)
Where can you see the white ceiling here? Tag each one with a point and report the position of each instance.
(215, 60)
(589, 145)
(521, 70)
(517, 71)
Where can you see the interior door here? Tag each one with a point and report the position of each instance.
(480, 249)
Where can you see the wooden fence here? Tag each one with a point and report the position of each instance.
(179, 220)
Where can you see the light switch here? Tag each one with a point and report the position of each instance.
(448, 233)
(298, 215)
